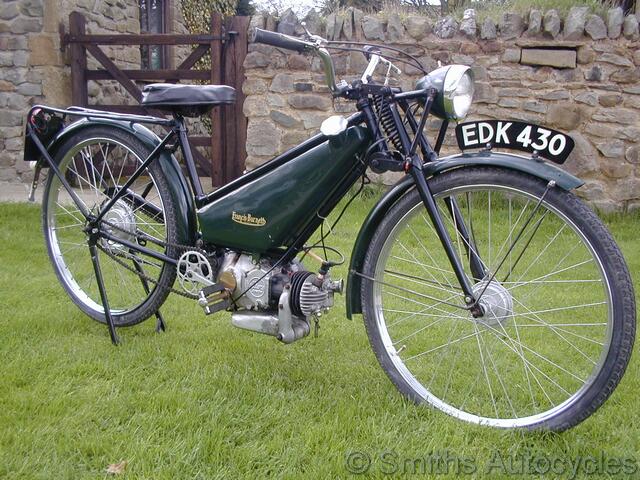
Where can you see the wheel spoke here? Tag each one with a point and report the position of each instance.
(543, 332)
(469, 245)
(424, 265)
(100, 167)
(448, 344)
(421, 281)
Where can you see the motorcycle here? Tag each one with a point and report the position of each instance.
(488, 289)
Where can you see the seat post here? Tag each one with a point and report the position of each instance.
(181, 130)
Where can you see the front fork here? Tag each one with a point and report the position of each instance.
(416, 172)
(431, 154)
(414, 167)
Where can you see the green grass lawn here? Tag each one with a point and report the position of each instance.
(206, 400)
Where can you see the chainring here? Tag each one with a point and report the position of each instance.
(194, 272)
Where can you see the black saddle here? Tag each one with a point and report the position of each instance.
(187, 100)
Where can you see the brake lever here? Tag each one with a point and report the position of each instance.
(390, 66)
(374, 60)
(373, 63)
(316, 38)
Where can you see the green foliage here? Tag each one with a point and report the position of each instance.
(428, 6)
(197, 13)
(245, 8)
(197, 18)
(485, 8)
(599, 7)
(327, 6)
(495, 8)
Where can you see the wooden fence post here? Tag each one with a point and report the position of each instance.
(217, 130)
(228, 51)
(235, 121)
(79, 95)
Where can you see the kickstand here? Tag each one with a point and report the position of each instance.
(160, 325)
(93, 250)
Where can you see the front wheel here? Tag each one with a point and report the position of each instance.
(559, 315)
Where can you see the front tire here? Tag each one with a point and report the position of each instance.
(559, 319)
(96, 161)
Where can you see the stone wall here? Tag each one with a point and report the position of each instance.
(33, 69)
(579, 74)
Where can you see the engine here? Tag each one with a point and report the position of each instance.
(252, 284)
(278, 302)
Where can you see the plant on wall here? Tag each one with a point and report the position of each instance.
(333, 5)
(197, 19)
(245, 7)
(197, 13)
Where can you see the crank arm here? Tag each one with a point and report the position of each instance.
(201, 279)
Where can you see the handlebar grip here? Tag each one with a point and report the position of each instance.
(279, 40)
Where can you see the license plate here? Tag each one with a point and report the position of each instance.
(527, 137)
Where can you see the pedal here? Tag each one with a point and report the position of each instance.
(217, 307)
(214, 298)
(210, 290)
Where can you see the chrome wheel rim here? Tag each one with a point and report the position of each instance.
(518, 368)
(94, 167)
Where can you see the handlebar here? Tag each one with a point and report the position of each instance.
(287, 42)
(280, 40)
(315, 46)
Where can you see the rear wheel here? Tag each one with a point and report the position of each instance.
(559, 320)
(97, 161)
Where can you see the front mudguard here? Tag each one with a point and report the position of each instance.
(528, 165)
(187, 228)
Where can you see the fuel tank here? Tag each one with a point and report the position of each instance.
(274, 202)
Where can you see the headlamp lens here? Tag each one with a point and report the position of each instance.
(462, 96)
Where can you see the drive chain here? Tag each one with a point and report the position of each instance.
(180, 249)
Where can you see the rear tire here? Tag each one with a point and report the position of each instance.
(566, 324)
(94, 161)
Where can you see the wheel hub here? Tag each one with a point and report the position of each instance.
(496, 302)
(121, 223)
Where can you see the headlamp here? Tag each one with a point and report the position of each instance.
(455, 87)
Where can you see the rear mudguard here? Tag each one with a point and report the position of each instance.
(185, 210)
(528, 165)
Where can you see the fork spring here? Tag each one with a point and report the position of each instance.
(381, 106)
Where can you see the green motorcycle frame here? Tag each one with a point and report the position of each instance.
(260, 223)
(284, 190)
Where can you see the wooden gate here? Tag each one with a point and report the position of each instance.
(227, 46)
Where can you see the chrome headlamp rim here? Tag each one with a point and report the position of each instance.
(447, 81)
(455, 76)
